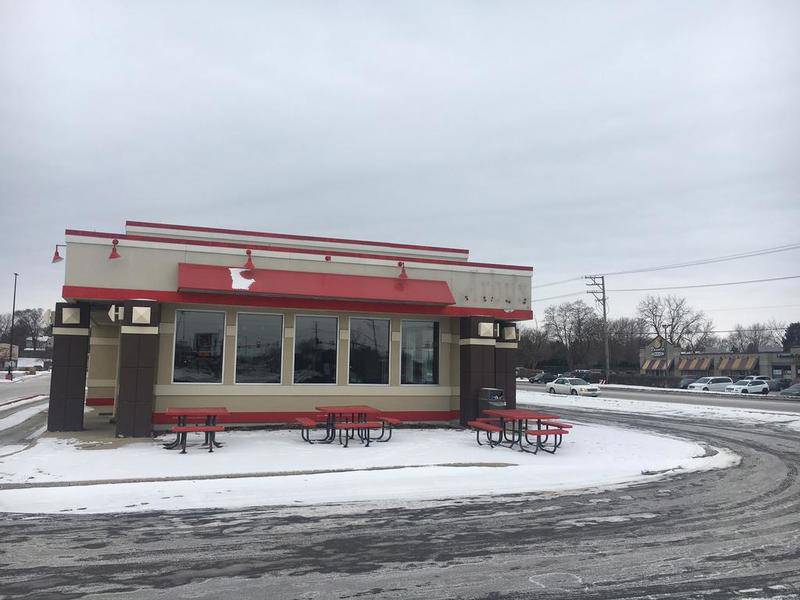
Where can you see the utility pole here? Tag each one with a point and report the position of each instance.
(597, 288)
(10, 375)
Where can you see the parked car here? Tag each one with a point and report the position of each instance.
(793, 391)
(573, 386)
(686, 381)
(748, 386)
(776, 385)
(710, 384)
(542, 378)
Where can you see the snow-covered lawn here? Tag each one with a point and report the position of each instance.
(415, 465)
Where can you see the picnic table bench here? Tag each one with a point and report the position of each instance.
(347, 422)
(207, 426)
(512, 428)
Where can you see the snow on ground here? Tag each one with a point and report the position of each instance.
(415, 465)
(608, 403)
(39, 404)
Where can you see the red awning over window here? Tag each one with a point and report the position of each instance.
(301, 284)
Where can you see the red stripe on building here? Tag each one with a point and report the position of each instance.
(160, 418)
(300, 284)
(99, 402)
(244, 246)
(289, 236)
(119, 294)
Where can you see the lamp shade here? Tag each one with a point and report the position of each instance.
(114, 254)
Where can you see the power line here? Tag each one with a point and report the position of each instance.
(708, 261)
(534, 300)
(559, 282)
(702, 285)
(751, 307)
(691, 263)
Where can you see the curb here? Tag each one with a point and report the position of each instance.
(58, 484)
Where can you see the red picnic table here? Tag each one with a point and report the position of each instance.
(520, 431)
(352, 419)
(209, 415)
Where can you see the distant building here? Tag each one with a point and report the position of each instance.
(662, 358)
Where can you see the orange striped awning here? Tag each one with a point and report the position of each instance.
(646, 364)
(698, 363)
(725, 363)
(751, 364)
(737, 364)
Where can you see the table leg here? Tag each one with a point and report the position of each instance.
(177, 442)
(214, 441)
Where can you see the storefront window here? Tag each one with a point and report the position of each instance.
(369, 351)
(199, 341)
(259, 343)
(315, 341)
(420, 355)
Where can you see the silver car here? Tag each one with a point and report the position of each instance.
(710, 384)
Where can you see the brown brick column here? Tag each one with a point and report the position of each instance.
(70, 357)
(505, 362)
(477, 348)
(138, 357)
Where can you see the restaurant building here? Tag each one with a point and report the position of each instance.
(271, 325)
(660, 357)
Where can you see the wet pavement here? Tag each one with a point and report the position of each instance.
(732, 533)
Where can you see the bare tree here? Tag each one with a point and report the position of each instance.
(625, 337)
(31, 320)
(757, 337)
(576, 326)
(673, 319)
(533, 346)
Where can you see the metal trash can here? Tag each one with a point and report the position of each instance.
(490, 398)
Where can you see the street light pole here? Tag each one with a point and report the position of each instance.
(9, 374)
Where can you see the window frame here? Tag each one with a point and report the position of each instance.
(175, 339)
(350, 339)
(439, 354)
(236, 347)
(294, 349)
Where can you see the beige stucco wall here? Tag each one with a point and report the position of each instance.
(101, 375)
(288, 397)
(146, 268)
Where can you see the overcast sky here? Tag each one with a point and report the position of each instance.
(575, 137)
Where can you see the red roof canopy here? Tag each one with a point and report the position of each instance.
(301, 284)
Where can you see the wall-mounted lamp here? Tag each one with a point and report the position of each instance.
(249, 263)
(56, 256)
(114, 254)
(403, 274)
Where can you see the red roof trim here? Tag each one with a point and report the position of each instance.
(290, 236)
(214, 244)
(302, 284)
(118, 294)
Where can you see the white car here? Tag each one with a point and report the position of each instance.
(711, 384)
(763, 378)
(749, 386)
(572, 386)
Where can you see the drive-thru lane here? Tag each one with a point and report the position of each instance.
(711, 535)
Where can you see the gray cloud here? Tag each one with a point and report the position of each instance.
(576, 137)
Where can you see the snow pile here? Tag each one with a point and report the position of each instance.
(414, 465)
(526, 398)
